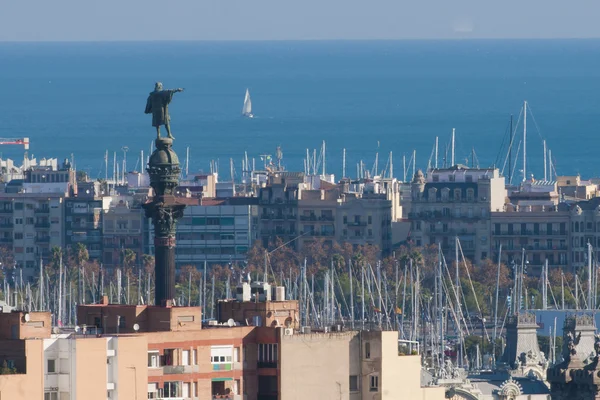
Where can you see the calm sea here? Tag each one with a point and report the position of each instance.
(85, 98)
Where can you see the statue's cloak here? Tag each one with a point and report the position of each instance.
(158, 105)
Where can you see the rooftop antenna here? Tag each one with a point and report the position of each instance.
(115, 168)
(344, 163)
(106, 166)
(545, 162)
(524, 141)
(323, 158)
(453, 145)
(510, 144)
(187, 161)
(436, 151)
(414, 162)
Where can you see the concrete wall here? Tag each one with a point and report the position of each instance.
(132, 367)
(272, 313)
(401, 375)
(91, 370)
(315, 366)
(14, 324)
(29, 385)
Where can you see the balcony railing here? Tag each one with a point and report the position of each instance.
(180, 369)
(42, 225)
(42, 211)
(357, 223)
(266, 364)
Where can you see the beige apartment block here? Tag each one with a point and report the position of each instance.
(350, 365)
(27, 383)
(456, 202)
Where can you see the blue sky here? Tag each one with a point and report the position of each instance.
(68, 20)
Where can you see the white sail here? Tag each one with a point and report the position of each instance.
(247, 109)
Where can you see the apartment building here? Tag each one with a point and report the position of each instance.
(584, 231)
(278, 208)
(214, 231)
(83, 224)
(365, 220)
(68, 366)
(30, 225)
(542, 234)
(81, 366)
(456, 202)
(298, 215)
(122, 228)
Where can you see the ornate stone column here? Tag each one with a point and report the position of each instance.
(165, 210)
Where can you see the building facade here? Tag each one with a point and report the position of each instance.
(540, 236)
(456, 202)
(122, 229)
(30, 225)
(83, 224)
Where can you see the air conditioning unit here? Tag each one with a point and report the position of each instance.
(288, 331)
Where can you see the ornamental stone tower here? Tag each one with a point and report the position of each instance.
(165, 210)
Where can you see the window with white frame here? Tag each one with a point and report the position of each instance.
(171, 390)
(267, 353)
(153, 359)
(51, 366)
(221, 354)
(185, 357)
(51, 396)
(374, 383)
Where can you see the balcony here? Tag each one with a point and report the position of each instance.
(357, 223)
(5, 211)
(41, 211)
(180, 369)
(266, 364)
(308, 218)
(227, 396)
(6, 225)
(44, 225)
(44, 239)
(6, 240)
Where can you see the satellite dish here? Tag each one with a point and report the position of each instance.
(27, 317)
(77, 328)
(136, 327)
(230, 322)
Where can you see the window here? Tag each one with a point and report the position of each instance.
(153, 359)
(168, 357)
(51, 396)
(353, 383)
(370, 220)
(367, 350)
(172, 389)
(51, 364)
(152, 391)
(373, 383)
(267, 355)
(18, 206)
(221, 354)
(185, 357)
(18, 235)
(122, 322)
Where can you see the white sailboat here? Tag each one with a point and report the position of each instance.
(247, 108)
